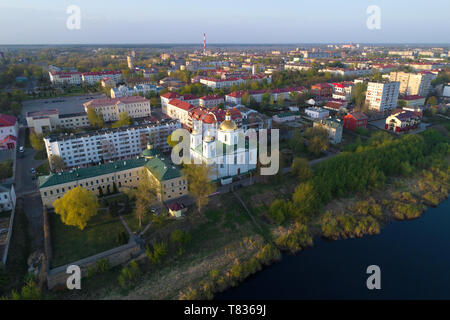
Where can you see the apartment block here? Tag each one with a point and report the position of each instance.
(413, 84)
(91, 147)
(382, 96)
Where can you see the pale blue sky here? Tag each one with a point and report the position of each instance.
(228, 21)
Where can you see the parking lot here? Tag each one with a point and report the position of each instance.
(63, 104)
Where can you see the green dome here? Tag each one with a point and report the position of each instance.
(149, 153)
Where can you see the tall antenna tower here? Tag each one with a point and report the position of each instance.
(204, 44)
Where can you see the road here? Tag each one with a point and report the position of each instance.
(27, 193)
(24, 182)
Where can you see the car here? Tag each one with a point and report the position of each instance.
(153, 210)
(21, 149)
(33, 171)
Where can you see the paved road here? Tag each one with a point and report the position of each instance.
(26, 190)
(24, 182)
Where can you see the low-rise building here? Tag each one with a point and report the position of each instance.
(110, 109)
(317, 113)
(322, 89)
(355, 120)
(9, 130)
(93, 77)
(402, 121)
(211, 101)
(413, 100)
(62, 78)
(7, 197)
(43, 121)
(120, 175)
(334, 128)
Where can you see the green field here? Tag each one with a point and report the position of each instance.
(71, 244)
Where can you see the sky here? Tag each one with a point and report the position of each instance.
(228, 21)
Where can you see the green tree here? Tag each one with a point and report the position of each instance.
(37, 141)
(76, 207)
(200, 186)
(56, 163)
(124, 120)
(96, 119)
(432, 101)
(317, 140)
(301, 168)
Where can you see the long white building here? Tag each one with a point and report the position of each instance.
(93, 77)
(382, 96)
(85, 148)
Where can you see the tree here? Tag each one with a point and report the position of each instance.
(317, 140)
(432, 101)
(124, 120)
(359, 95)
(145, 196)
(301, 168)
(37, 141)
(76, 207)
(402, 103)
(305, 200)
(179, 238)
(56, 163)
(200, 186)
(95, 118)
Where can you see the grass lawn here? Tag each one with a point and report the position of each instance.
(40, 155)
(6, 169)
(43, 169)
(71, 244)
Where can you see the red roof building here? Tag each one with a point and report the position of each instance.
(355, 120)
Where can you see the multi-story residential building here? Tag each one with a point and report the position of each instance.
(211, 101)
(48, 120)
(110, 109)
(120, 175)
(334, 128)
(178, 109)
(317, 113)
(93, 77)
(382, 96)
(343, 90)
(62, 78)
(166, 97)
(9, 130)
(81, 149)
(413, 84)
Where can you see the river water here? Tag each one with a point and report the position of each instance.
(413, 256)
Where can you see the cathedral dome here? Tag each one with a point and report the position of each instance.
(228, 124)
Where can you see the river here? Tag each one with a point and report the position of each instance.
(414, 258)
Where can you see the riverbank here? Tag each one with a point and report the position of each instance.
(381, 180)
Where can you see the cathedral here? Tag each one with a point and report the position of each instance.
(223, 147)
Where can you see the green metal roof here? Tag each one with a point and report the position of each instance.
(162, 169)
(89, 172)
